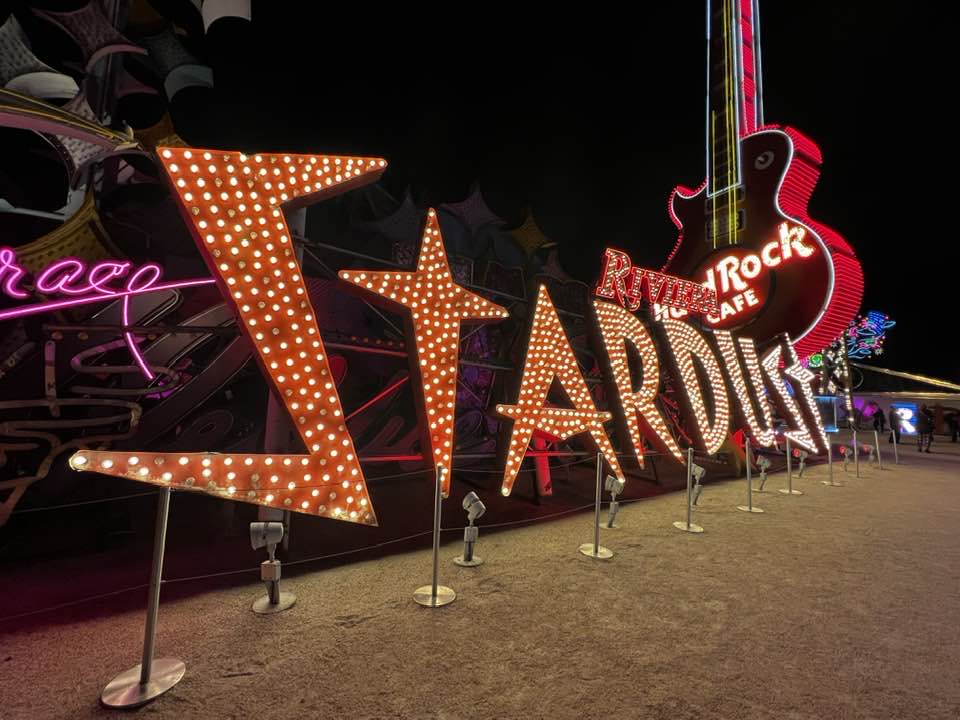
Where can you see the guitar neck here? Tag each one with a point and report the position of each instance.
(733, 88)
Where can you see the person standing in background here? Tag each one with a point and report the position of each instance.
(879, 423)
(924, 428)
(894, 417)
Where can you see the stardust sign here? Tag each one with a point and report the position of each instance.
(233, 204)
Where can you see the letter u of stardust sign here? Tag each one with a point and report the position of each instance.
(233, 204)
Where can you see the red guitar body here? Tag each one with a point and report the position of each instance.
(809, 287)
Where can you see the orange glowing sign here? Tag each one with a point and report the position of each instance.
(618, 328)
(550, 356)
(232, 203)
(710, 405)
(437, 307)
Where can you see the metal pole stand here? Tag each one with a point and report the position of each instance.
(689, 526)
(749, 506)
(435, 595)
(276, 600)
(896, 454)
(830, 482)
(856, 453)
(468, 559)
(876, 445)
(788, 490)
(595, 549)
(151, 678)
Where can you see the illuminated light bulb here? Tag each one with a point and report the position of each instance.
(685, 344)
(260, 222)
(801, 377)
(133, 460)
(441, 299)
(107, 464)
(550, 356)
(784, 400)
(80, 460)
(762, 432)
(617, 328)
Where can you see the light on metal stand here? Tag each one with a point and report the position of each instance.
(689, 526)
(595, 549)
(876, 444)
(152, 677)
(802, 455)
(763, 462)
(896, 454)
(614, 486)
(435, 595)
(845, 451)
(749, 506)
(269, 535)
(788, 490)
(475, 508)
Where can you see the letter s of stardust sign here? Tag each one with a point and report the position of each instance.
(244, 238)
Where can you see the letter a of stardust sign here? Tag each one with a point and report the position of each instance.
(233, 204)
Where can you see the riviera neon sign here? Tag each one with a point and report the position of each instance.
(629, 285)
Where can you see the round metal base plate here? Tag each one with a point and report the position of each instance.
(262, 605)
(458, 560)
(424, 596)
(747, 508)
(694, 528)
(615, 526)
(602, 553)
(785, 491)
(125, 690)
(830, 484)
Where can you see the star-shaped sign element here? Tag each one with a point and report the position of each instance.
(437, 306)
(233, 205)
(550, 356)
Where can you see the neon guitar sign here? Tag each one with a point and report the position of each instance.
(745, 231)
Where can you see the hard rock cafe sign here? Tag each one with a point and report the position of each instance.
(233, 204)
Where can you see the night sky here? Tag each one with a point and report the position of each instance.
(590, 118)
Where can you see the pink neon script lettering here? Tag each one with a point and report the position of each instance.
(58, 277)
(82, 284)
(11, 273)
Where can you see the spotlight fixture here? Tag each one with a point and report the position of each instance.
(845, 451)
(763, 462)
(269, 535)
(475, 509)
(614, 486)
(802, 455)
(699, 472)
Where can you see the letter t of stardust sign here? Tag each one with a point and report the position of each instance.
(232, 203)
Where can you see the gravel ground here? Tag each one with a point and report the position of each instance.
(840, 603)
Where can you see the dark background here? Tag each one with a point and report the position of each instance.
(591, 115)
